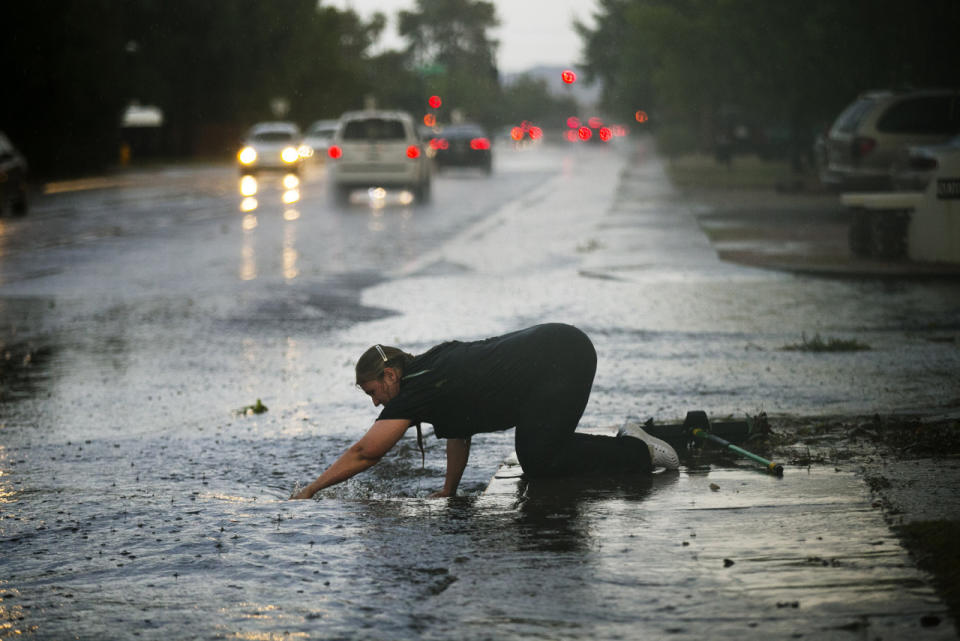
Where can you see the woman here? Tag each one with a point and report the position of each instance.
(537, 380)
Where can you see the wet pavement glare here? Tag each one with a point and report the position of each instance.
(138, 501)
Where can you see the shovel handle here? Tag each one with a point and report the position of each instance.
(773, 468)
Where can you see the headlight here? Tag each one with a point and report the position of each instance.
(247, 155)
(290, 155)
(305, 151)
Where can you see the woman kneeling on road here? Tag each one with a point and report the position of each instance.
(537, 380)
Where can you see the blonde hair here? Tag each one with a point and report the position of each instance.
(372, 362)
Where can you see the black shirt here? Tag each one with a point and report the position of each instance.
(463, 388)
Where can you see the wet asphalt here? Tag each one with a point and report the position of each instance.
(141, 313)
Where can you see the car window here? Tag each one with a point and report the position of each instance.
(848, 121)
(374, 129)
(273, 136)
(463, 131)
(921, 115)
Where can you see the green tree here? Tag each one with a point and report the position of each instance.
(63, 90)
(787, 63)
(212, 67)
(528, 98)
(217, 67)
(449, 47)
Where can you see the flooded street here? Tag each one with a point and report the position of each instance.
(141, 316)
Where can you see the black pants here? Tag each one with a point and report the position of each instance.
(546, 442)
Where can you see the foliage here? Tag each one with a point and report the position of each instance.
(529, 98)
(817, 344)
(61, 99)
(709, 64)
(256, 408)
(214, 68)
(448, 47)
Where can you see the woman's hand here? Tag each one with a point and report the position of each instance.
(363, 454)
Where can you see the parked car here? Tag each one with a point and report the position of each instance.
(272, 145)
(378, 149)
(914, 166)
(319, 137)
(866, 137)
(462, 145)
(13, 178)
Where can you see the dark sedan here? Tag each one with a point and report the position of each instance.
(464, 145)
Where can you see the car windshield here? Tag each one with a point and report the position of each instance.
(374, 129)
(272, 136)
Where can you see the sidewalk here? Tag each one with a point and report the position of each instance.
(803, 232)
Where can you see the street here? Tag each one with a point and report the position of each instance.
(141, 314)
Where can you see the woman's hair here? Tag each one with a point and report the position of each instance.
(371, 363)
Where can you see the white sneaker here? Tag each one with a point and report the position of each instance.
(662, 453)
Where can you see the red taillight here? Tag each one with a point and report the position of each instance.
(439, 143)
(584, 133)
(479, 144)
(605, 134)
(413, 151)
(334, 152)
(863, 146)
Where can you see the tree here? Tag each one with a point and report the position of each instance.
(456, 59)
(63, 86)
(212, 67)
(529, 98)
(792, 63)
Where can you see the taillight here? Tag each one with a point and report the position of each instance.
(479, 144)
(863, 146)
(605, 134)
(413, 151)
(334, 152)
(439, 143)
(585, 133)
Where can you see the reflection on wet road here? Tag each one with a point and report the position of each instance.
(137, 502)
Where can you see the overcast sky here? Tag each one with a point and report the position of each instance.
(531, 32)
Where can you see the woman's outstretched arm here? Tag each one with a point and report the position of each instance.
(458, 451)
(363, 454)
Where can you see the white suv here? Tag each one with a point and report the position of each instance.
(378, 149)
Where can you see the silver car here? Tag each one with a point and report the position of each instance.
(378, 149)
(272, 145)
(915, 166)
(868, 135)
